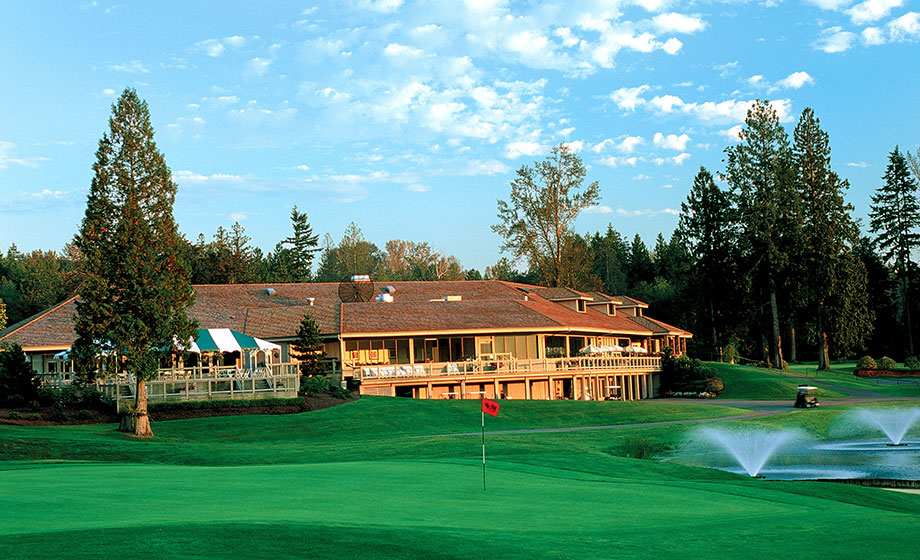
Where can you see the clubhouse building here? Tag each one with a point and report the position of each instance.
(427, 340)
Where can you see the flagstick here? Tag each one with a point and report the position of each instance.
(483, 412)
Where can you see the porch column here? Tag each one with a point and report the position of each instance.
(527, 388)
(495, 392)
(462, 388)
(428, 395)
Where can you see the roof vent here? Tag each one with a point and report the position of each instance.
(389, 289)
(271, 292)
(310, 301)
(360, 278)
(526, 298)
(385, 298)
(452, 298)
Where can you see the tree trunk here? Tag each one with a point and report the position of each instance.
(137, 422)
(792, 350)
(712, 321)
(777, 339)
(910, 332)
(824, 361)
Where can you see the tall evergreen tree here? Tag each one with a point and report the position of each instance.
(329, 270)
(135, 289)
(2, 315)
(705, 228)
(895, 219)
(303, 245)
(833, 288)
(759, 172)
(639, 266)
(611, 258)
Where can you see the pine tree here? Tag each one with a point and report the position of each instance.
(2, 315)
(759, 173)
(833, 289)
(303, 245)
(894, 218)
(639, 266)
(135, 289)
(308, 348)
(705, 228)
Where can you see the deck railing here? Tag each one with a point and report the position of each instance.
(593, 364)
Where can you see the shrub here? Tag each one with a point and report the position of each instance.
(58, 415)
(340, 393)
(886, 363)
(714, 385)
(14, 416)
(17, 378)
(912, 362)
(34, 416)
(310, 386)
(234, 403)
(76, 395)
(83, 414)
(866, 362)
(684, 374)
(637, 447)
(47, 396)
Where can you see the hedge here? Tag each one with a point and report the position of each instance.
(886, 373)
(235, 403)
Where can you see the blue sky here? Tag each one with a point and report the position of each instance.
(410, 118)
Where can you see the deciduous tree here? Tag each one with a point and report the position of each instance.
(536, 223)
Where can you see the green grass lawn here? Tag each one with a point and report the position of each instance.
(842, 375)
(372, 479)
(745, 382)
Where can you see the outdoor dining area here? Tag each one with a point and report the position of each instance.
(216, 364)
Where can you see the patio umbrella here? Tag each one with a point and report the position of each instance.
(591, 349)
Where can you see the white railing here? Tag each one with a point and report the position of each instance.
(513, 366)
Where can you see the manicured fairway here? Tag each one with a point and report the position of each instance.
(745, 382)
(305, 486)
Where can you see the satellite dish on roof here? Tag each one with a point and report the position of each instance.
(356, 288)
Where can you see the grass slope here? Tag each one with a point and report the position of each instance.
(352, 482)
(745, 382)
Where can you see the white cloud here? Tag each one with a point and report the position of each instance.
(598, 209)
(574, 146)
(831, 4)
(486, 167)
(518, 149)
(258, 66)
(133, 67)
(614, 161)
(755, 80)
(629, 144)
(302, 167)
(47, 194)
(733, 133)
(679, 159)
(415, 187)
(628, 98)
(382, 6)
(872, 10)
(6, 158)
(236, 216)
(873, 36)
(601, 146)
(671, 141)
(835, 40)
(905, 28)
(796, 80)
(108, 92)
(678, 23)
(666, 103)
(186, 176)
(672, 46)
(397, 50)
(216, 47)
(860, 164)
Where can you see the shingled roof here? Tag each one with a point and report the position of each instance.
(274, 311)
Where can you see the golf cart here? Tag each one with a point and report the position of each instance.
(806, 397)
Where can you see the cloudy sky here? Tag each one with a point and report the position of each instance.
(410, 119)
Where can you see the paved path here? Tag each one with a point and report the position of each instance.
(759, 409)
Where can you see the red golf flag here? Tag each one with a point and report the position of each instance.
(490, 407)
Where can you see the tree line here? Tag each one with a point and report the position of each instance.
(772, 262)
